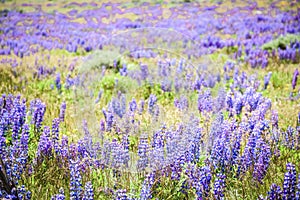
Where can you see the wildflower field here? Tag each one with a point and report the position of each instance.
(160, 99)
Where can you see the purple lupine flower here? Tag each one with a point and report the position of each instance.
(156, 111)
(176, 103)
(275, 192)
(60, 196)
(289, 137)
(238, 105)
(205, 102)
(9, 101)
(295, 77)
(197, 84)
(116, 156)
(157, 157)
(109, 118)
(182, 103)
(267, 80)
(176, 167)
(119, 106)
(133, 105)
(195, 147)
(248, 156)
(125, 142)
(23, 193)
(115, 63)
(18, 115)
(87, 48)
(55, 134)
(220, 100)
(163, 69)
(106, 153)
(166, 85)
(264, 107)
(88, 191)
(264, 62)
(229, 102)
(82, 149)
(24, 144)
(172, 139)
(2, 136)
(101, 130)
(193, 172)
(8, 196)
(45, 145)
(102, 125)
(220, 154)
(204, 184)
(2, 102)
(178, 84)
(146, 187)
(145, 192)
(62, 111)
(69, 82)
(75, 181)
(144, 71)
(123, 70)
(143, 149)
(298, 188)
(58, 81)
(38, 110)
(141, 107)
(210, 81)
(219, 186)
(262, 164)
(158, 139)
(215, 130)
(99, 96)
(151, 102)
(64, 147)
(289, 184)
(236, 147)
(274, 119)
(121, 195)
(87, 136)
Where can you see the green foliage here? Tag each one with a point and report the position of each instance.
(50, 172)
(63, 52)
(108, 82)
(281, 42)
(170, 189)
(279, 80)
(117, 82)
(289, 155)
(147, 89)
(100, 58)
(126, 84)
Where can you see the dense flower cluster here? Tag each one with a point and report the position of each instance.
(222, 129)
(168, 149)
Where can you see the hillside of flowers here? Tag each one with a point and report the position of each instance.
(138, 100)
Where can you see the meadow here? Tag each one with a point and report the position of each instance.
(163, 99)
